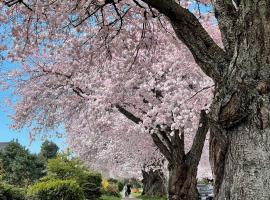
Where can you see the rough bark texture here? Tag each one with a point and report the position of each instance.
(182, 182)
(183, 167)
(154, 183)
(241, 109)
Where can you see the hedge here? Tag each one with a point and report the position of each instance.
(10, 192)
(56, 189)
(91, 185)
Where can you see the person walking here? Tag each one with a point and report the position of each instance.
(128, 189)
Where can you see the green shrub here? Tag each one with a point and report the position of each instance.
(63, 167)
(112, 180)
(151, 198)
(120, 186)
(56, 189)
(10, 192)
(91, 184)
(105, 197)
(111, 190)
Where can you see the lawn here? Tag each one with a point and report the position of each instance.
(151, 198)
(104, 197)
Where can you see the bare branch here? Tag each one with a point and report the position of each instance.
(14, 2)
(128, 114)
(194, 155)
(163, 149)
(208, 55)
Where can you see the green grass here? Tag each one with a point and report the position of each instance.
(104, 197)
(135, 195)
(151, 198)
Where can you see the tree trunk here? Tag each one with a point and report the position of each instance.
(246, 172)
(183, 167)
(154, 183)
(182, 182)
(241, 110)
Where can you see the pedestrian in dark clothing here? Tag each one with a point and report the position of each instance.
(128, 191)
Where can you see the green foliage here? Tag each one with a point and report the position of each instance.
(48, 150)
(2, 171)
(56, 189)
(151, 198)
(205, 181)
(19, 165)
(105, 197)
(63, 167)
(111, 190)
(9, 192)
(91, 184)
(112, 180)
(120, 186)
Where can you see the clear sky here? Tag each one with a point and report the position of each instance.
(7, 134)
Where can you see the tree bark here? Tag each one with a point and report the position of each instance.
(247, 161)
(182, 182)
(154, 183)
(241, 110)
(183, 167)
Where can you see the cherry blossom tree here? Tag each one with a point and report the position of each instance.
(239, 114)
(79, 84)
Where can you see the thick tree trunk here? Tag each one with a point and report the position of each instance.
(246, 173)
(182, 182)
(241, 110)
(183, 167)
(154, 183)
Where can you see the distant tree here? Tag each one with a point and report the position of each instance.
(2, 171)
(65, 166)
(20, 166)
(48, 150)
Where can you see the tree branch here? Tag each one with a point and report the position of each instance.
(194, 155)
(226, 15)
(163, 149)
(208, 55)
(128, 114)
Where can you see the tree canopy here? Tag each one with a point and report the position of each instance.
(19, 165)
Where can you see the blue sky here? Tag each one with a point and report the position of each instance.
(7, 134)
